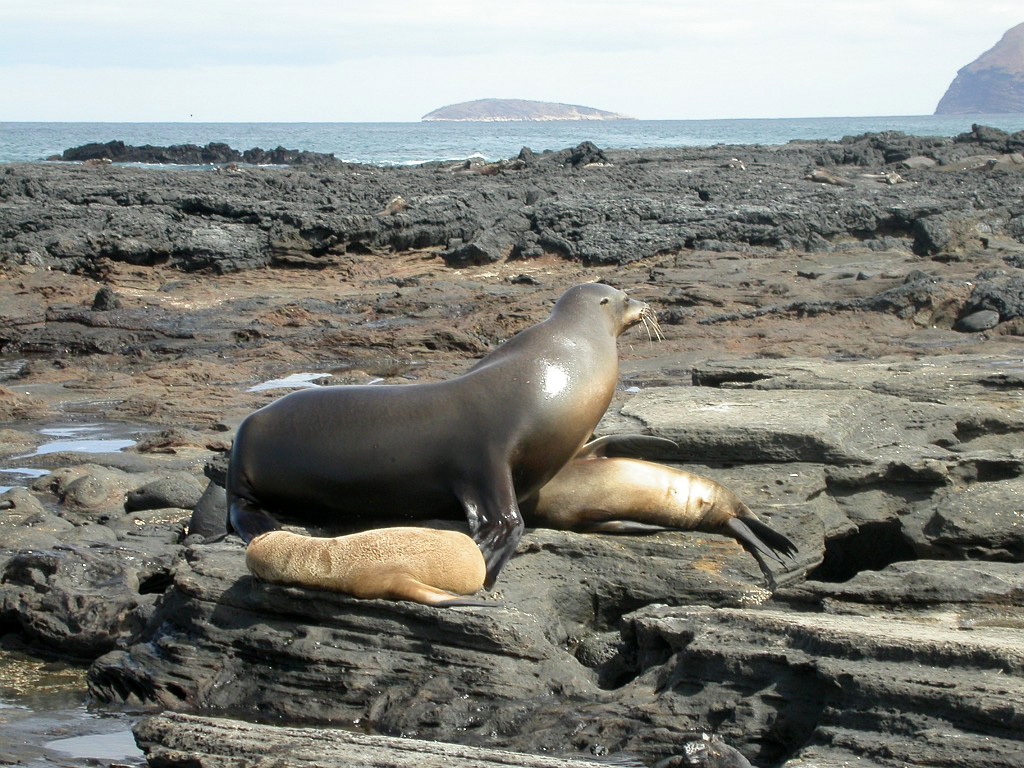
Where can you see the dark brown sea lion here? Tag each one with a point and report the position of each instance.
(475, 445)
(433, 567)
(599, 491)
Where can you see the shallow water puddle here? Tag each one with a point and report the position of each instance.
(75, 441)
(294, 381)
(22, 472)
(44, 720)
(26, 471)
(118, 745)
(84, 738)
(82, 446)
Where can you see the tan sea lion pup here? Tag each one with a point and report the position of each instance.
(419, 564)
(602, 492)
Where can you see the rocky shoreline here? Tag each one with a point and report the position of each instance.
(214, 153)
(843, 350)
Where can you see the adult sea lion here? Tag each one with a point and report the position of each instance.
(474, 445)
(428, 566)
(601, 491)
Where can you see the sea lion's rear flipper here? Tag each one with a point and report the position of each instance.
(249, 520)
(760, 540)
(495, 522)
(628, 446)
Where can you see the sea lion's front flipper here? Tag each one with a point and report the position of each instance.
(631, 527)
(495, 522)
(629, 446)
(416, 591)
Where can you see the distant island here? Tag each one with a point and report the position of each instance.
(991, 84)
(504, 110)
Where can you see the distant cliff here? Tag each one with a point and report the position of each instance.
(501, 110)
(991, 84)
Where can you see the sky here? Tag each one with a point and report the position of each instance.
(396, 60)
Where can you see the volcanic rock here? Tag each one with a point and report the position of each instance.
(190, 154)
(810, 364)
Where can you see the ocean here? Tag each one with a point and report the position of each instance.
(410, 143)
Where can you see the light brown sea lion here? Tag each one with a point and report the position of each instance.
(428, 566)
(602, 492)
(472, 447)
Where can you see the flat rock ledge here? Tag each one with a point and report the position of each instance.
(187, 741)
(839, 684)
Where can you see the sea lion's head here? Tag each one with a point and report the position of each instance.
(611, 304)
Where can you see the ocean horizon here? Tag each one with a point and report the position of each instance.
(410, 143)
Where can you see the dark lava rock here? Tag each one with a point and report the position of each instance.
(992, 139)
(105, 300)
(490, 247)
(627, 206)
(181, 491)
(191, 154)
(982, 320)
(1003, 294)
(586, 153)
(174, 740)
(282, 156)
(178, 154)
(44, 592)
(708, 751)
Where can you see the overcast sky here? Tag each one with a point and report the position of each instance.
(395, 60)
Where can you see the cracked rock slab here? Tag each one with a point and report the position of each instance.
(188, 741)
(831, 427)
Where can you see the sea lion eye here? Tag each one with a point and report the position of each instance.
(604, 300)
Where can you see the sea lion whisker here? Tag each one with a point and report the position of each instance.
(647, 327)
(650, 321)
(651, 326)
